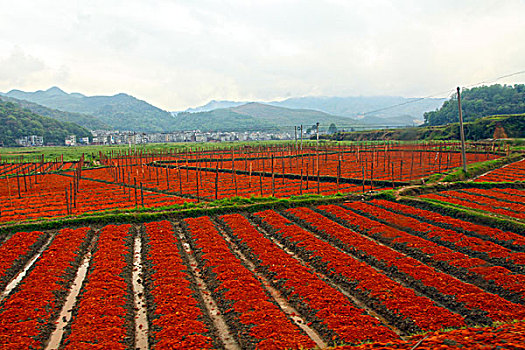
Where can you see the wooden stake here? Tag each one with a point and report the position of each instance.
(363, 170)
(282, 163)
(136, 196)
(18, 182)
(301, 186)
(260, 183)
(71, 197)
(180, 181)
(235, 181)
(67, 203)
(141, 195)
(217, 181)
(372, 176)
(167, 178)
(25, 183)
(411, 165)
(250, 177)
(318, 190)
(307, 180)
(393, 185)
(197, 183)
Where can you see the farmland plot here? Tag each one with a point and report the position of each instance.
(296, 278)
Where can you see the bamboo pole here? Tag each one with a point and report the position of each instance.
(217, 181)
(141, 195)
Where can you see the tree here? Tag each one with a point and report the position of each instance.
(332, 129)
(480, 102)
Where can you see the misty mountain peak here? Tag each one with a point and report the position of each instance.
(56, 91)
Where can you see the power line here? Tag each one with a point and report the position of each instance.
(449, 92)
(498, 78)
(444, 92)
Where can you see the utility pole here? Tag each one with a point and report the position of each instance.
(317, 132)
(317, 125)
(462, 133)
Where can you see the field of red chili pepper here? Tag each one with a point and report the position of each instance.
(498, 201)
(376, 271)
(274, 279)
(133, 180)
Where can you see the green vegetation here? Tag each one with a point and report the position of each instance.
(122, 112)
(255, 117)
(221, 119)
(91, 152)
(479, 102)
(87, 121)
(497, 126)
(17, 123)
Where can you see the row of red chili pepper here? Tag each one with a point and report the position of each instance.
(471, 296)
(417, 163)
(245, 305)
(479, 203)
(16, 251)
(505, 336)
(489, 251)
(27, 315)
(509, 173)
(506, 238)
(327, 309)
(47, 198)
(103, 315)
(170, 180)
(402, 305)
(175, 316)
(512, 202)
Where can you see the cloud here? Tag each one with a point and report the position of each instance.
(181, 53)
(18, 68)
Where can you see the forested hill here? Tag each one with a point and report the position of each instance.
(17, 123)
(480, 102)
(85, 120)
(256, 117)
(121, 111)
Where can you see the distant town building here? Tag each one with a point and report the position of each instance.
(71, 140)
(30, 141)
(113, 137)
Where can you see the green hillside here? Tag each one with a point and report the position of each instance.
(85, 120)
(497, 126)
(479, 102)
(220, 119)
(17, 123)
(256, 117)
(121, 111)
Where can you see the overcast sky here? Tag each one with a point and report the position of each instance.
(177, 54)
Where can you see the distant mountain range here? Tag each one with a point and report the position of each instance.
(210, 106)
(125, 112)
(255, 116)
(121, 111)
(85, 120)
(371, 110)
(366, 106)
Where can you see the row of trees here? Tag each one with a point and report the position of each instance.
(480, 102)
